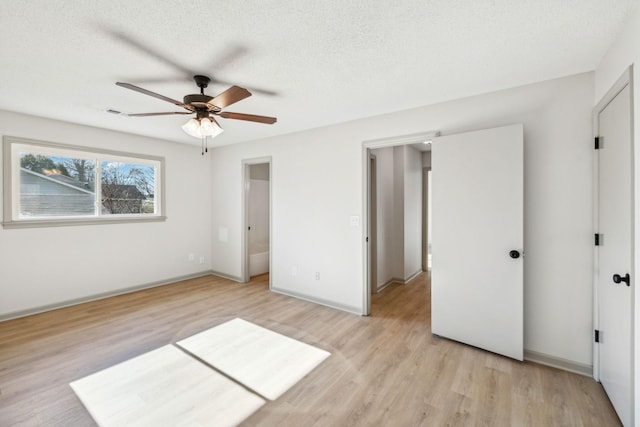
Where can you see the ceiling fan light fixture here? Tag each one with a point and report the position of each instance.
(192, 127)
(206, 126)
(209, 127)
(201, 128)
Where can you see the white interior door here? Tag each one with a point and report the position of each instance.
(477, 197)
(615, 302)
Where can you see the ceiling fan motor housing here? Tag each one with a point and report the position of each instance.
(199, 101)
(201, 114)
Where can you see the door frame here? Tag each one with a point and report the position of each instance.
(626, 79)
(372, 221)
(367, 146)
(425, 217)
(244, 247)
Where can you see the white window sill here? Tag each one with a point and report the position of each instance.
(64, 222)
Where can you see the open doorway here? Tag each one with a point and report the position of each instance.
(397, 241)
(257, 217)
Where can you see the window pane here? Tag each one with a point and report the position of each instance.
(128, 188)
(56, 186)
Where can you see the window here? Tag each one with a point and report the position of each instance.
(48, 184)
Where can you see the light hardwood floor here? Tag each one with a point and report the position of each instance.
(385, 370)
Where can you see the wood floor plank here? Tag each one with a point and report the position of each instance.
(385, 369)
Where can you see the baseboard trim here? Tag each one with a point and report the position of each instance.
(399, 281)
(387, 283)
(413, 276)
(94, 297)
(226, 276)
(326, 303)
(558, 362)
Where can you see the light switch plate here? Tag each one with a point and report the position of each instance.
(354, 221)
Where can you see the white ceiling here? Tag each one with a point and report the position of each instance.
(326, 61)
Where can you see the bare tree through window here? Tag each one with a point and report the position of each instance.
(127, 188)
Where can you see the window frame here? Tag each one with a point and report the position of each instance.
(12, 146)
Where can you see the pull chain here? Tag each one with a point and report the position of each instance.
(204, 145)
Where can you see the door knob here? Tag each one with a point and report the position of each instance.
(514, 254)
(618, 278)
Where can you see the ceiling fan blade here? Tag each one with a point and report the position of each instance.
(248, 117)
(163, 80)
(252, 89)
(214, 81)
(230, 96)
(155, 95)
(118, 35)
(157, 114)
(230, 55)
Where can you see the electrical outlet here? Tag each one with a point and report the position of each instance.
(192, 257)
(201, 259)
(317, 275)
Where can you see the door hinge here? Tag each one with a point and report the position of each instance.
(367, 240)
(597, 336)
(597, 239)
(596, 144)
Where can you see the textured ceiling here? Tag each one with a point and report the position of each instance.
(309, 63)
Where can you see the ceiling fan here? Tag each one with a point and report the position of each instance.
(204, 106)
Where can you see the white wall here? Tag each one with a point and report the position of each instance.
(412, 262)
(624, 52)
(47, 266)
(314, 181)
(318, 182)
(258, 213)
